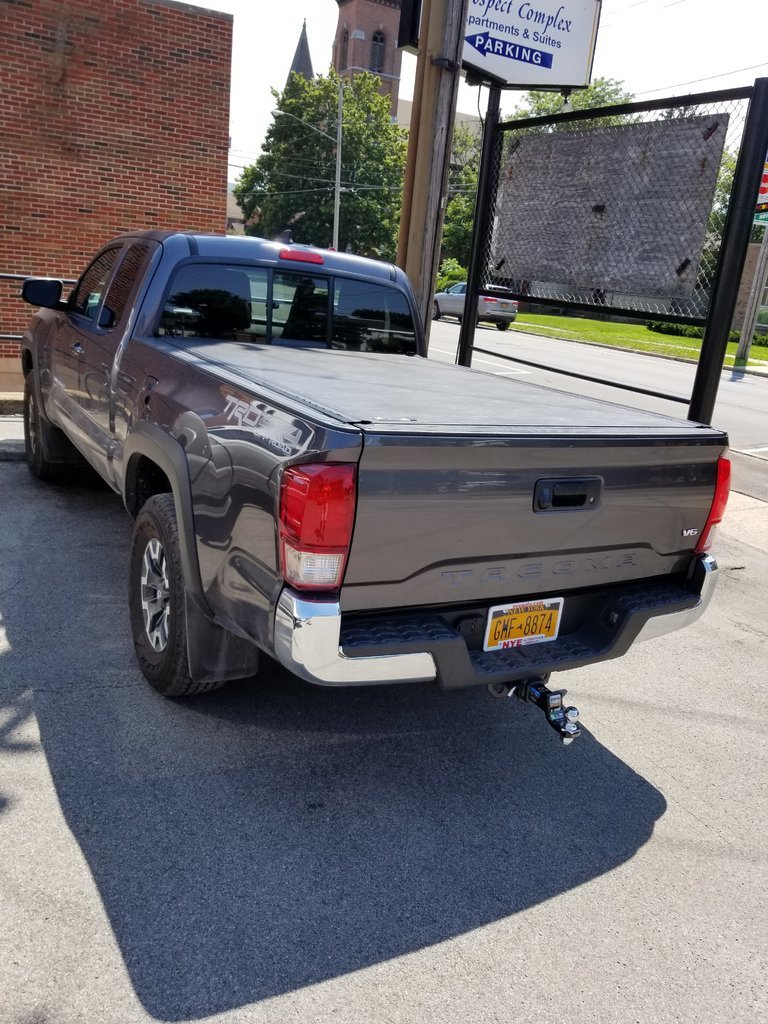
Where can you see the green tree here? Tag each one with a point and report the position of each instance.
(462, 191)
(722, 198)
(603, 92)
(291, 185)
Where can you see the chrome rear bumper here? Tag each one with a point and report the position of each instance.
(703, 582)
(423, 646)
(307, 635)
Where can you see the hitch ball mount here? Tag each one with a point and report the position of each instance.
(534, 691)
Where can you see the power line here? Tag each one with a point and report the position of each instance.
(709, 78)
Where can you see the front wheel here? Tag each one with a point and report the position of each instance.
(502, 327)
(38, 465)
(156, 600)
(435, 311)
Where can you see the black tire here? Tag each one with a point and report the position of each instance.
(502, 327)
(435, 311)
(157, 603)
(37, 463)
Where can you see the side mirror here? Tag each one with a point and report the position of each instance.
(42, 292)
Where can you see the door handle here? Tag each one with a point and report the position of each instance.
(567, 493)
(78, 349)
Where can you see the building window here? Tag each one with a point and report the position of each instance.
(343, 49)
(377, 52)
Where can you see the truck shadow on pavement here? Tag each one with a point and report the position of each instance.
(274, 835)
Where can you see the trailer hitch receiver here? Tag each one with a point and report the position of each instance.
(564, 720)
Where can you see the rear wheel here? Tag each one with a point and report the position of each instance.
(502, 327)
(157, 602)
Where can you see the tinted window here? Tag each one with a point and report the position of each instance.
(300, 310)
(213, 300)
(86, 295)
(124, 282)
(286, 309)
(371, 318)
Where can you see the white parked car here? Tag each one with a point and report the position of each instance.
(499, 311)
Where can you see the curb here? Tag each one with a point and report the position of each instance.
(738, 370)
(12, 451)
(11, 405)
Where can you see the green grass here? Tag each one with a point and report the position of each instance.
(635, 337)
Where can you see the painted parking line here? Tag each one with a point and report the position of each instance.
(754, 451)
(488, 362)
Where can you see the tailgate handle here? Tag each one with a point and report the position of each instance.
(568, 495)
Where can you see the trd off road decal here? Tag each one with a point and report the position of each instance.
(264, 423)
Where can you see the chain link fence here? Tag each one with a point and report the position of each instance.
(618, 210)
(638, 211)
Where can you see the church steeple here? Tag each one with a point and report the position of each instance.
(302, 62)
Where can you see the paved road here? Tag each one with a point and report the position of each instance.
(741, 409)
(278, 853)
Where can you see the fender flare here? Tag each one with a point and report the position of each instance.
(215, 654)
(154, 443)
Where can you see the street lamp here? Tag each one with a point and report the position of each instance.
(337, 140)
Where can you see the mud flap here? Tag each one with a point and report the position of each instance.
(215, 654)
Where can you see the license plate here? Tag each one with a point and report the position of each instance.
(527, 622)
(504, 305)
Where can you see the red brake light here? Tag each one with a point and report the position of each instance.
(317, 513)
(489, 298)
(301, 256)
(720, 500)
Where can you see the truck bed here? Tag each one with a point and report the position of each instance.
(452, 464)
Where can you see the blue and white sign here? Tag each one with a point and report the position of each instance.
(535, 44)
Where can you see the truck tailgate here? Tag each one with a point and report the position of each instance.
(507, 489)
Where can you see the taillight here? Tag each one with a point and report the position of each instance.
(720, 500)
(488, 298)
(317, 513)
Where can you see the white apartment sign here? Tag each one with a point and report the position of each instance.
(535, 44)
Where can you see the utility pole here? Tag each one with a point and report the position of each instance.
(429, 146)
(337, 185)
(753, 303)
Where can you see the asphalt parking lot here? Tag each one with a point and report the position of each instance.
(276, 852)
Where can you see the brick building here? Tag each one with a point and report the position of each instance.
(115, 116)
(366, 40)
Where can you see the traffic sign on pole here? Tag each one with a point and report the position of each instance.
(762, 195)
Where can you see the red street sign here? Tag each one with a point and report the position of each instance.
(762, 195)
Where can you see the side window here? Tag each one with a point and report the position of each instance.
(124, 283)
(300, 309)
(371, 318)
(87, 293)
(216, 300)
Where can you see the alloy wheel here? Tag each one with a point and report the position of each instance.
(155, 594)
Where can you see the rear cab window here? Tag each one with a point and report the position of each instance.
(288, 309)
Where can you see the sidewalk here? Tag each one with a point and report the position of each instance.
(11, 435)
(11, 428)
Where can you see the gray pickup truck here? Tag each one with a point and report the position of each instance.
(304, 482)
